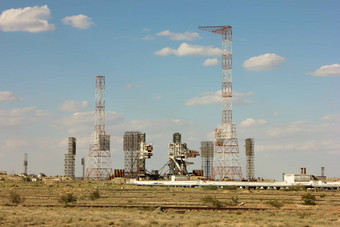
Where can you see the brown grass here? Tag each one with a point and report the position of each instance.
(293, 213)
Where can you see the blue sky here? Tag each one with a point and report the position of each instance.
(286, 76)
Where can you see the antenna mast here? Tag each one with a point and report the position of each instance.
(226, 158)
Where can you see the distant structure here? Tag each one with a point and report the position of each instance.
(99, 164)
(178, 155)
(207, 154)
(226, 158)
(135, 152)
(70, 158)
(250, 164)
(83, 165)
(322, 171)
(25, 164)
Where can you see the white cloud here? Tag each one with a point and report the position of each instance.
(19, 116)
(6, 96)
(43, 113)
(180, 36)
(28, 19)
(252, 122)
(158, 97)
(78, 21)
(276, 114)
(327, 70)
(148, 37)
(215, 98)
(132, 86)
(73, 106)
(284, 130)
(190, 50)
(210, 62)
(263, 62)
(145, 29)
(331, 117)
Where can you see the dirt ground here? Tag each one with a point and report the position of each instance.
(124, 205)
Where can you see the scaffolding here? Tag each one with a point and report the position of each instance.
(207, 154)
(250, 166)
(70, 158)
(226, 158)
(99, 164)
(178, 155)
(135, 152)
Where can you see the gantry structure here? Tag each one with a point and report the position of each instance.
(250, 167)
(99, 164)
(226, 158)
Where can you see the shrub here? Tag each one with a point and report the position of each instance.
(296, 188)
(276, 203)
(15, 198)
(67, 198)
(209, 200)
(322, 195)
(234, 201)
(95, 195)
(308, 199)
(210, 187)
(233, 187)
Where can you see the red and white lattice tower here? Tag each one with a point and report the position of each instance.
(99, 164)
(226, 163)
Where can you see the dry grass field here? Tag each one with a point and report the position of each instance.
(104, 204)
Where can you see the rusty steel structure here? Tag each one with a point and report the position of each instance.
(226, 157)
(207, 154)
(135, 152)
(250, 164)
(99, 164)
(70, 158)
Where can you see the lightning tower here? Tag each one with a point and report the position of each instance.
(226, 158)
(99, 165)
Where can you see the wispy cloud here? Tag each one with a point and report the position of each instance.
(210, 62)
(78, 21)
(73, 106)
(28, 19)
(7, 96)
(189, 50)
(252, 122)
(263, 62)
(132, 86)
(208, 98)
(190, 36)
(148, 37)
(327, 70)
(331, 117)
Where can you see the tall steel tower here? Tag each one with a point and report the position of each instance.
(226, 159)
(99, 164)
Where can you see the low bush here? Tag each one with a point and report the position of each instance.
(15, 198)
(209, 200)
(308, 199)
(275, 203)
(296, 188)
(95, 195)
(67, 198)
(230, 187)
(233, 201)
(322, 195)
(210, 187)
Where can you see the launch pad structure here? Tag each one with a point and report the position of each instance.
(99, 164)
(226, 157)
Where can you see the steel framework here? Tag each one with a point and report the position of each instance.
(178, 156)
(99, 164)
(70, 158)
(250, 167)
(207, 154)
(135, 152)
(227, 158)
